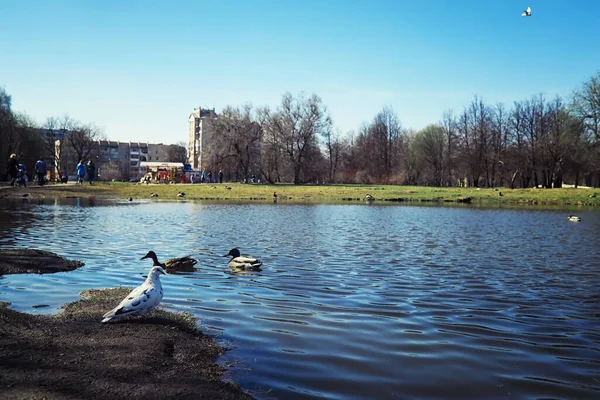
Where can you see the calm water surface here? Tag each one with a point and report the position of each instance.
(354, 301)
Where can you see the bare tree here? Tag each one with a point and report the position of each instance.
(497, 145)
(449, 124)
(430, 143)
(586, 106)
(239, 144)
(82, 139)
(297, 124)
(333, 146)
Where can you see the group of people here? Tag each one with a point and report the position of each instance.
(18, 171)
(89, 168)
(207, 177)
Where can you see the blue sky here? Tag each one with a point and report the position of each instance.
(138, 68)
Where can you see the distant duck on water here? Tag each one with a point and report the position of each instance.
(242, 262)
(182, 264)
(574, 218)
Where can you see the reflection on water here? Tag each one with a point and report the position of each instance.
(353, 301)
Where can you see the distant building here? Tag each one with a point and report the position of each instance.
(200, 135)
(115, 160)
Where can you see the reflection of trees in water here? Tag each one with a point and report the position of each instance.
(18, 216)
(15, 218)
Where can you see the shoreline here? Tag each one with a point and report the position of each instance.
(313, 194)
(71, 355)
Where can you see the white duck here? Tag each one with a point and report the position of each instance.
(574, 218)
(142, 299)
(242, 262)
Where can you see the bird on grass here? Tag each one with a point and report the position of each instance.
(369, 197)
(574, 218)
(527, 12)
(183, 264)
(153, 194)
(242, 262)
(141, 300)
(180, 194)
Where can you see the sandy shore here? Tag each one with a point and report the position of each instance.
(73, 356)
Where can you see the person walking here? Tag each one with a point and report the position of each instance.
(13, 168)
(220, 176)
(91, 171)
(80, 172)
(40, 170)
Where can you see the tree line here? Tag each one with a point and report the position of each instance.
(535, 142)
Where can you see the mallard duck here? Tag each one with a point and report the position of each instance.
(184, 264)
(242, 262)
(574, 218)
(369, 197)
(180, 194)
(130, 199)
(153, 194)
(142, 299)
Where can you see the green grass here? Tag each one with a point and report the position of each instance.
(388, 194)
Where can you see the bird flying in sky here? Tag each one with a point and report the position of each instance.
(527, 13)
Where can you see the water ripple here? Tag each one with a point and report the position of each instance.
(353, 302)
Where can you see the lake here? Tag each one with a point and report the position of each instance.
(354, 301)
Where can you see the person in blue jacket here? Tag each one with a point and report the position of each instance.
(80, 172)
(40, 170)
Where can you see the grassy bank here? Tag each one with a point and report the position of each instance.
(317, 193)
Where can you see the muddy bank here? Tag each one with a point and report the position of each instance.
(73, 356)
(54, 191)
(25, 261)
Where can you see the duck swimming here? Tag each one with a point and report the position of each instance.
(183, 264)
(242, 262)
(141, 300)
(574, 218)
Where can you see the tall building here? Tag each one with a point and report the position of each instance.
(200, 135)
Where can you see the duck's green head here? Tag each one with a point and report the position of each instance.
(233, 253)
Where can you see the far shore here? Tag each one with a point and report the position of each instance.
(307, 194)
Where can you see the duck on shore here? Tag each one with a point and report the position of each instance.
(183, 264)
(141, 300)
(242, 262)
